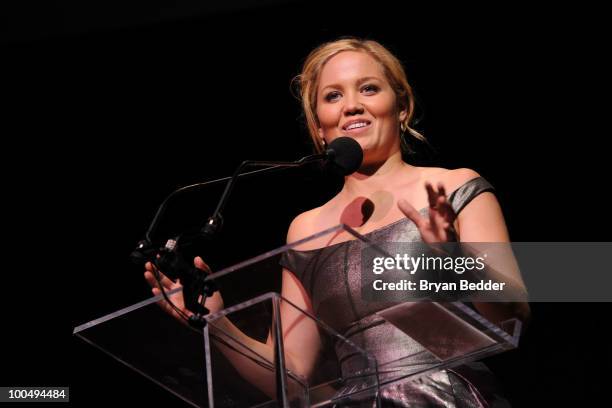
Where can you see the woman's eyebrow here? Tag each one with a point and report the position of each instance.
(366, 79)
(359, 82)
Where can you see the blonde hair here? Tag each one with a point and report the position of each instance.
(308, 82)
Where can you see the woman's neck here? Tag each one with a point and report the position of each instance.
(376, 177)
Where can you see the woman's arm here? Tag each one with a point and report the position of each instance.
(482, 220)
(301, 339)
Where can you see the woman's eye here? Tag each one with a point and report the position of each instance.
(332, 96)
(370, 89)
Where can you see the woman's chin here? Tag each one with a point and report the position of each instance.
(366, 145)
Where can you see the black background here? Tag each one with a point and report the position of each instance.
(107, 110)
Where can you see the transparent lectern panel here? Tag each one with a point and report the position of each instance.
(308, 374)
(322, 352)
(338, 346)
(243, 367)
(441, 336)
(166, 349)
(423, 299)
(154, 344)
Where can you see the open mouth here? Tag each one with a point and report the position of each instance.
(356, 125)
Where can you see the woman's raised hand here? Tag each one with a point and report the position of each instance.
(213, 303)
(438, 227)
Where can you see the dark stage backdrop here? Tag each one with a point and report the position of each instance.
(107, 113)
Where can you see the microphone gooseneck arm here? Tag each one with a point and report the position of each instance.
(215, 221)
(343, 152)
(195, 287)
(144, 250)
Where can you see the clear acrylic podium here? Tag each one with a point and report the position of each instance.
(248, 356)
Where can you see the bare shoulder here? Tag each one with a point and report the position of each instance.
(451, 179)
(457, 177)
(481, 220)
(302, 225)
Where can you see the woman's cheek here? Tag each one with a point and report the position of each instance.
(328, 119)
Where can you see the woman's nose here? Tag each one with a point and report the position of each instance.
(352, 106)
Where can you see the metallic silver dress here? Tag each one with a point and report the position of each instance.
(332, 278)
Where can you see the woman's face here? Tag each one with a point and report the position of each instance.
(355, 99)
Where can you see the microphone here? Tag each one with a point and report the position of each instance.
(345, 154)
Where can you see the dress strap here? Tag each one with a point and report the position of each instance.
(295, 261)
(467, 192)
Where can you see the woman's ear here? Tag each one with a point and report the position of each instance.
(403, 115)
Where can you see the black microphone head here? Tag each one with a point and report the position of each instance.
(346, 154)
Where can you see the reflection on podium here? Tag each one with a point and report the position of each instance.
(263, 350)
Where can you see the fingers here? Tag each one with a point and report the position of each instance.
(445, 209)
(437, 201)
(441, 189)
(439, 225)
(410, 212)
(176, 298)
(200, 264)
(432, 195)
(443, 205)
(152, 281)
(150, 276)
(435, 218)
(442, 219)
(167, 285)
(441, 213)
(166, 307)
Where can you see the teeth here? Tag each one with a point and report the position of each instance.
(356, 125)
